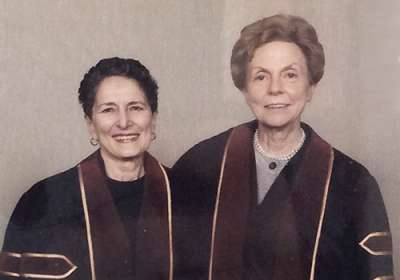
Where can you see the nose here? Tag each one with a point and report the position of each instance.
(275, 87)
(123, 120)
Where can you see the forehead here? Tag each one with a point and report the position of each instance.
(116, 88)
(278, 54)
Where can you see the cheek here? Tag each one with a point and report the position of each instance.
(300, 93)
(103, 125)
(145, 122)
(253, 97)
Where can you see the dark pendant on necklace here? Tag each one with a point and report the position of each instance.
(272, 165)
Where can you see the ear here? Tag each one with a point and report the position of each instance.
(91, 128)
(310, 93)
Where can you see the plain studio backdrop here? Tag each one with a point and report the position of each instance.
(47, 45)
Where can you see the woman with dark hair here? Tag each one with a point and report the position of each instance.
(270, 199)
(109, 217)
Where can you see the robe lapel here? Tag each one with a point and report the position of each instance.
(154, 259)
(232, 205)
(299, 204)
(302, 218)
(109, 247)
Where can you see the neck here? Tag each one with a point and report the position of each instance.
(277, 142)
(123, 170)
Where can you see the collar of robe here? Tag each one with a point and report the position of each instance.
(299, 216)
(106, 235)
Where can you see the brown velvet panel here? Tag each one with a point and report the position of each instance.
(29, 265)
(9, 262)
(110, 242)
(233, 206)
(299, 214)
(154, 254)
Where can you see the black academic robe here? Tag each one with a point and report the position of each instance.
(323, 218)
(67, 227)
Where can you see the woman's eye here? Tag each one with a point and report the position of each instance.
(136, 108)
(291, 75)
(107, 110)
(259, 77)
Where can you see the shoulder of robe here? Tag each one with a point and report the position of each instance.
(48, 199)
(194, 176)
(350, 172)
(353, 183)
(203, 153)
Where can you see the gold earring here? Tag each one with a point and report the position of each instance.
(93, 141)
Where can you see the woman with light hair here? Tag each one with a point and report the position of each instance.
(270, 199)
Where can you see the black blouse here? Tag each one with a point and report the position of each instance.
(128, 197)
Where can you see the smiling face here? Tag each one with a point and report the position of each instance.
(277, 85)
(122, 121)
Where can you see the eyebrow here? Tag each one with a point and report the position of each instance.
(114, 104)
(291, 66)
(137, 102)
(106, 104)
(288, 67)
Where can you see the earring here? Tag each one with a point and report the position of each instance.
(93, 142)
(153, 136)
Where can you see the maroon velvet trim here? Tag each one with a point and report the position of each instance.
(298, 224)
(110, 242)
(153, 239)
(9, 262)
(34, 264)
(301, 216)
(233, 209)
(54, 266)
(381, 244)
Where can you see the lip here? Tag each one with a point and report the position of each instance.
(274, 106)
(126, 137)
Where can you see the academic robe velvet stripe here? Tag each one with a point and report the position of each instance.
(233, 201)
(323, 217)
(107, 252)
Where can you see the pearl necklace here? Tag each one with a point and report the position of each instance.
(286, 157)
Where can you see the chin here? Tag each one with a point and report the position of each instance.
(130, 155)
(275, 123)
(127, 154)
(278, 122)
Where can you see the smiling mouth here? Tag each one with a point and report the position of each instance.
(126, 138)
(276, 106)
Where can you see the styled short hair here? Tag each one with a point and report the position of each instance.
(115, 66)
(286, 28)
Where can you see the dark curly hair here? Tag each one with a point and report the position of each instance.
(115, 66)
(287, 28)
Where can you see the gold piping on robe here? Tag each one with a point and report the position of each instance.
(88, 228)
(321, 219)
(386, 277)
(364, 245)
(9, 273)
(171, 256)
(10, 255)
(38, 275)
(36, 255)
(221, 175)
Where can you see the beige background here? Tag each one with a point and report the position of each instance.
(47, 45)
